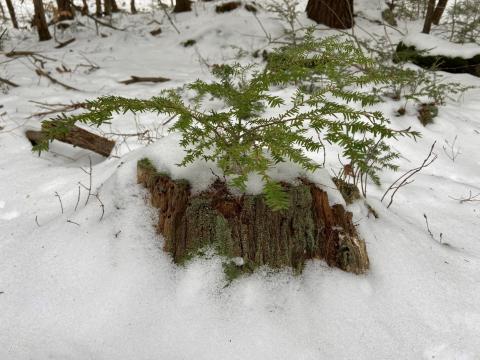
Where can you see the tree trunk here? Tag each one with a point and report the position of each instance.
(40, 21)
(336, 14)
(437, 14)
(107, 5)
(84, 7)
(65, 10)
(11, 11)
(115, 8)
(427, 25)
(78, 137)
(244, 227)
(182, 6)
(98, 8)
(133, 9)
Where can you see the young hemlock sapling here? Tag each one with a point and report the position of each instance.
(255, 129)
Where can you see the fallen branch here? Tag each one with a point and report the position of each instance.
(21, 53)
(77, 137)
(65, 43)
(137, 79)
(8, 82)
(41, 72)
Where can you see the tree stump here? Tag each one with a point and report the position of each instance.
(244, 227)
(337, 14)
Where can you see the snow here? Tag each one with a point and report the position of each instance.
(76, 285)
(436, 46)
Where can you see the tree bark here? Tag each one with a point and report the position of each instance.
(114, 6)
(133, 9)
(182, 6)
(437, 14)
(107, 6)
(65, 10)
(40, 21)
(336, 14)
(427, 25)
(84, 10)
(11, 11)
(245, 227)
(78, 137)
(98, 8)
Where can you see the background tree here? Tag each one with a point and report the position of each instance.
(427, 25)
(133, 9)
(40, 21)
(65, 10)
(115, 7)
(98, 8)
(107, 6)
(437, 14)
(84, 7)
(11, 11)
(182, 5)
(336, 14)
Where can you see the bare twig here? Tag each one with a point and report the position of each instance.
(56, 108)
(469, 198)
(60, 200)
(450, 149)
(72, 222)
(78, 198)
(41, 72)
(405, 178)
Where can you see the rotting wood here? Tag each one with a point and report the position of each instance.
(77, 137)
(245, 227)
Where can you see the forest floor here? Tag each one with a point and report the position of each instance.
(77, 283)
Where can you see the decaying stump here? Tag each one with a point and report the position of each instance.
(245, 227)
(78, 137)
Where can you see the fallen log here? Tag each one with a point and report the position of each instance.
(245, 229)
(77, 137)
(136, 79)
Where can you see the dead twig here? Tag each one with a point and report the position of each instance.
(469, 198)
(404, 179)
(60, 200)
(56, 108)
(40, 72)
(8, 82)
(65, 43)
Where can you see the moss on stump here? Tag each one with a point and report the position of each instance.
(244, 227)
(437, 62)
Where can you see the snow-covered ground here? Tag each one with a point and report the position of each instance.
(78, 285)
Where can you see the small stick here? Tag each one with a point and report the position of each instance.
(8, 82)
(60, 200)
(136, 79)
(65, 43)
(43, 73)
